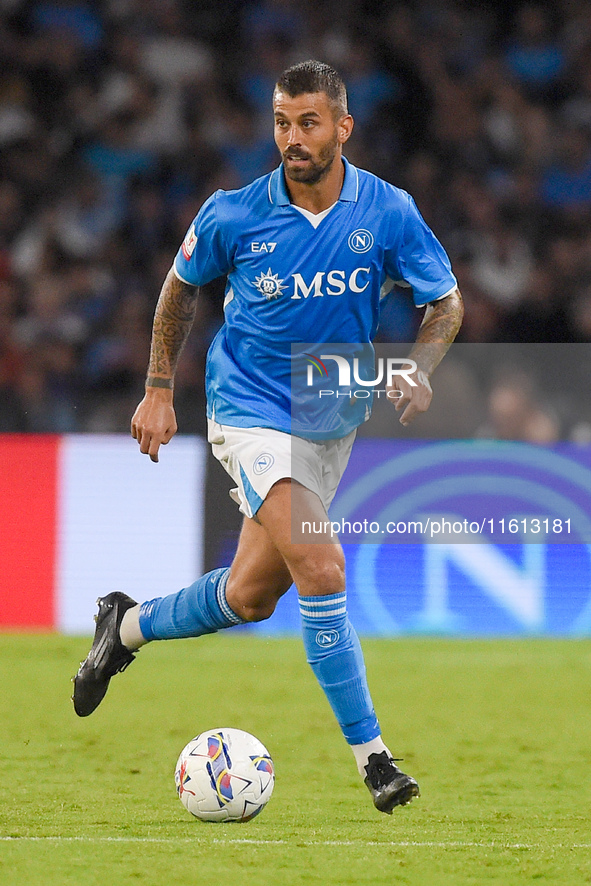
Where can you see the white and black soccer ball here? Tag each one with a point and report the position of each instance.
(224, 775)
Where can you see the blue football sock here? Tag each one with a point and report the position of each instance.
(201, 608)
(334, 653)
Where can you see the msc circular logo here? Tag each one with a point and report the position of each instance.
(360, 240)
(326, 639)
(263, 462)
(269, 285)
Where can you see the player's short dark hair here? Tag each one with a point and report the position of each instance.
(313, 76)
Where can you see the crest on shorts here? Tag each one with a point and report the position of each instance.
(263, 462)
(269, 285)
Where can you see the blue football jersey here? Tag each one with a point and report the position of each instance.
(289, 281)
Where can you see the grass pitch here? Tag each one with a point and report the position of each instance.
(498, 734)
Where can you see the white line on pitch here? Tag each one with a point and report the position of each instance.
(401, 844)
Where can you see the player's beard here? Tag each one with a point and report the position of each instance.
(317, 169)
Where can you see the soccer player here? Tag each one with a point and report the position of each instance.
(307, 250)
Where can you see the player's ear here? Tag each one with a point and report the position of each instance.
(344, 128)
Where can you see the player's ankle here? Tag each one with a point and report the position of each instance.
(129, 632)
(361, 752)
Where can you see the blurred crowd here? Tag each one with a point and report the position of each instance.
(119, 117)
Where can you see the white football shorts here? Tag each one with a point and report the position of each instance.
(256, 458)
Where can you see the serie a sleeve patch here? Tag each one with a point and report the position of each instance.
(189, 242)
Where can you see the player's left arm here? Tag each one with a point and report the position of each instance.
(439, 328)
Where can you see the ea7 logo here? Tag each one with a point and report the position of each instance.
(256, 246)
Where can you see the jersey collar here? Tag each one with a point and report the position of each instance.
(279, 195)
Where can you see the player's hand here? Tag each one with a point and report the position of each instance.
(411, 400)
(154, 422)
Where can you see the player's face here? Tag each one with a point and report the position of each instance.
(307, 135)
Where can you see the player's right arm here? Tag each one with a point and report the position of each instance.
(154, 421)
(204, 254)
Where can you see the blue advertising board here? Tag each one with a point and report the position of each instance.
(469, 538)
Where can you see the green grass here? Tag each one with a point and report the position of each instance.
(498, 734)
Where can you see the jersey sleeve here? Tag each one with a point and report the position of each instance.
(422, 262)
(203, 255)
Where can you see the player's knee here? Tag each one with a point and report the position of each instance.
(322, 577)
(330, 578)
(258, 610)
(252, 603)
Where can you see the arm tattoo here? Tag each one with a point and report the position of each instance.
(173, 320)
(439, 328)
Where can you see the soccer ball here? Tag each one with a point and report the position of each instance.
(224, 775)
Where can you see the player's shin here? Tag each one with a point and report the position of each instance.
(199, 609)
(334, 653)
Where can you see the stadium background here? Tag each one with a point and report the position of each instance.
(117, 119)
